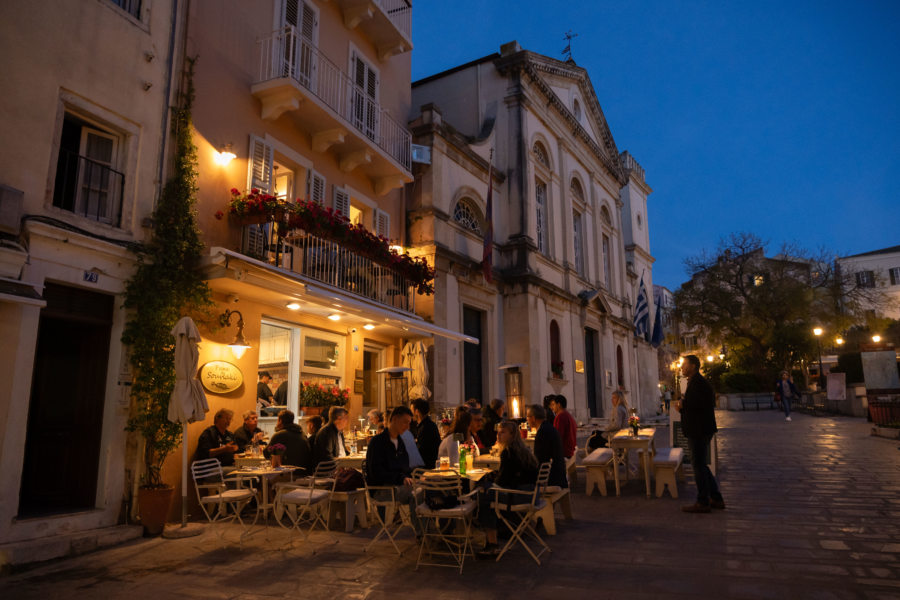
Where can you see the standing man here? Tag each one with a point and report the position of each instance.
(547, 445)
(264, 395)
(565, 424)
(248, 433)
(216, 441)
(698, 422)
(786, 389)
(428, 439)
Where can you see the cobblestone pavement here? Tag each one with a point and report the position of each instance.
(813, 512)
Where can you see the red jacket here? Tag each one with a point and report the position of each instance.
(567, 428)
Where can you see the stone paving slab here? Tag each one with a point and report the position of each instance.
(813, 512)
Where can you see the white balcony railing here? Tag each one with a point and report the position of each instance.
(286, 54)
(400, 14)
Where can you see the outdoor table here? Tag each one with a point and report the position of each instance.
(487, 461)
(352, 461)
(473, 474)
(624, 440)
(265, 473)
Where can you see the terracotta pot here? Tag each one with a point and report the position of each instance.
(311, 411)
(154, 506)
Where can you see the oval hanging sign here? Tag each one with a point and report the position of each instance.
(220, 377)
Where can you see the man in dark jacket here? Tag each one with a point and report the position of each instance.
(493, 416)
(387, 463)
(249, 433)
(330, 439)
(428, 439)
(297, 450)
(548, 445)
(698, 422)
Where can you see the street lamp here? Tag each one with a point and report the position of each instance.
(818, 333)
(876, 338)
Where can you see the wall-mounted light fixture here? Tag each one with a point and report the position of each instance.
(225, 155)
(368, 326)
(334, 317)
(293, 306)
(239, 345)
(514, 398)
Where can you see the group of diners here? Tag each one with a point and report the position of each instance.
(303, 449)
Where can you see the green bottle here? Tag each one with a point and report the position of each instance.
(462, 460)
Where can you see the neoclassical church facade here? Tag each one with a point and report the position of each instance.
(570, 237)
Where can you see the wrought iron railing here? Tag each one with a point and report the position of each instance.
(400, 14)
(285, 53)
(89, 188)
(330, 263)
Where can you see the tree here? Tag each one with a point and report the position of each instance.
(765, 308)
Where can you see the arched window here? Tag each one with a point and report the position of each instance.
(620, 366)
(604, 214)
(576, 108)
(467, 215)
(554, 344)
(577, 190)
(540, 153)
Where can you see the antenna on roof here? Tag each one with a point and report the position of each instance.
(567, 51)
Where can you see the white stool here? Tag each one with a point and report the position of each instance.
(666, 464)
(597, 465)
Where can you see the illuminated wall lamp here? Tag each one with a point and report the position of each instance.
(334, 317)
(225, 156)
(293, 306)
(239, 345)
(515, 399)
(368, 326)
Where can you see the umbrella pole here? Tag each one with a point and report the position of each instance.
(184, 458)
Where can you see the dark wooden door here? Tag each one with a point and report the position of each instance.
(65, 411)
(472, 358)
(594, 398)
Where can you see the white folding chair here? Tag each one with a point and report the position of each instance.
(446, 532)
(526, 509)
(207, 475)
(306, 500)
(390, 515)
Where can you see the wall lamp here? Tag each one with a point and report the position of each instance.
(225, 155)
(239, 345)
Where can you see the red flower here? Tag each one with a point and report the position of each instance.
(219, 214)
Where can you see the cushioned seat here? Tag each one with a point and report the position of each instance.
(304, 495)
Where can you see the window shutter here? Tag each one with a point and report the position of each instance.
(315, 188)
(261, 155)
(382, 223)
(290, 12)
(308, 25)
(341, 202)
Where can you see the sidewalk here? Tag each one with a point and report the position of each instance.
(813, 512)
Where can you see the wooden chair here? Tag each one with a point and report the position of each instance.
(532, 502)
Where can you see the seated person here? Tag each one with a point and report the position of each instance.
(297, 452)
(376, 420)
(330, 442)
(313, 425)
(475, 429)
(493, 415)
(428, 440)
(216, 441)
(518, 471)
(618, 419)
(248, 433)
(548, 445)
(387, 463)
(459, 432)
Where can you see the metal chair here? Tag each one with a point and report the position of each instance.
(306, 500)
(207, 475)
(446, 532)
(532, 502)
(390, 515)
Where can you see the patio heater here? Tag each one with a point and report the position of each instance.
(396, 386)
(514, 398)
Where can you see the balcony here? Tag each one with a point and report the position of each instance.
(388, 23)
(295, 78)
(328, 262)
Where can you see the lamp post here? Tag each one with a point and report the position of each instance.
(818, 333)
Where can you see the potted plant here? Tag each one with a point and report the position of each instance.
(556, 368)
(165, 286)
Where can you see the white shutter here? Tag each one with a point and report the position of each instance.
(315, 187)
(260, 170)
(341, 202)
(382, 223)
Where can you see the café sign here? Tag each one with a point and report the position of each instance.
(220, 377)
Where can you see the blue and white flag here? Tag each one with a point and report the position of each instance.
(642, 313)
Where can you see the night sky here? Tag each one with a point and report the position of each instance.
(780, 119)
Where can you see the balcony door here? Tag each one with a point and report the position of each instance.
(365, 96)
(300, 22)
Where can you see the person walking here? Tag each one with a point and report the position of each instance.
(698, 422)
(787, 391)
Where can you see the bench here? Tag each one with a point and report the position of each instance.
(554, 496)
(597, 464)
(757, 400)
(666, 464)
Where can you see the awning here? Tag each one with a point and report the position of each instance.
(20, 293)
(249, 271)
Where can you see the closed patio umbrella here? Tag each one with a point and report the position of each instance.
(188, 401)
(414, 358)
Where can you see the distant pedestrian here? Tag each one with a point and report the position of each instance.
(698, 422)
(785, 389)
(667, 398)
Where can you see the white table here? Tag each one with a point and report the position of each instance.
(265, 474)
(625, 440)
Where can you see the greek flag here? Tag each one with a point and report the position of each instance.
(642, 313)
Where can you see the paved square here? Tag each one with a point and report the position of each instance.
(813, 512)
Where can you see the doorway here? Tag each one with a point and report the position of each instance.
(594, 399)
(65, 411)
(473, 383)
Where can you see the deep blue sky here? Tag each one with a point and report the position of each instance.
(781, 119)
